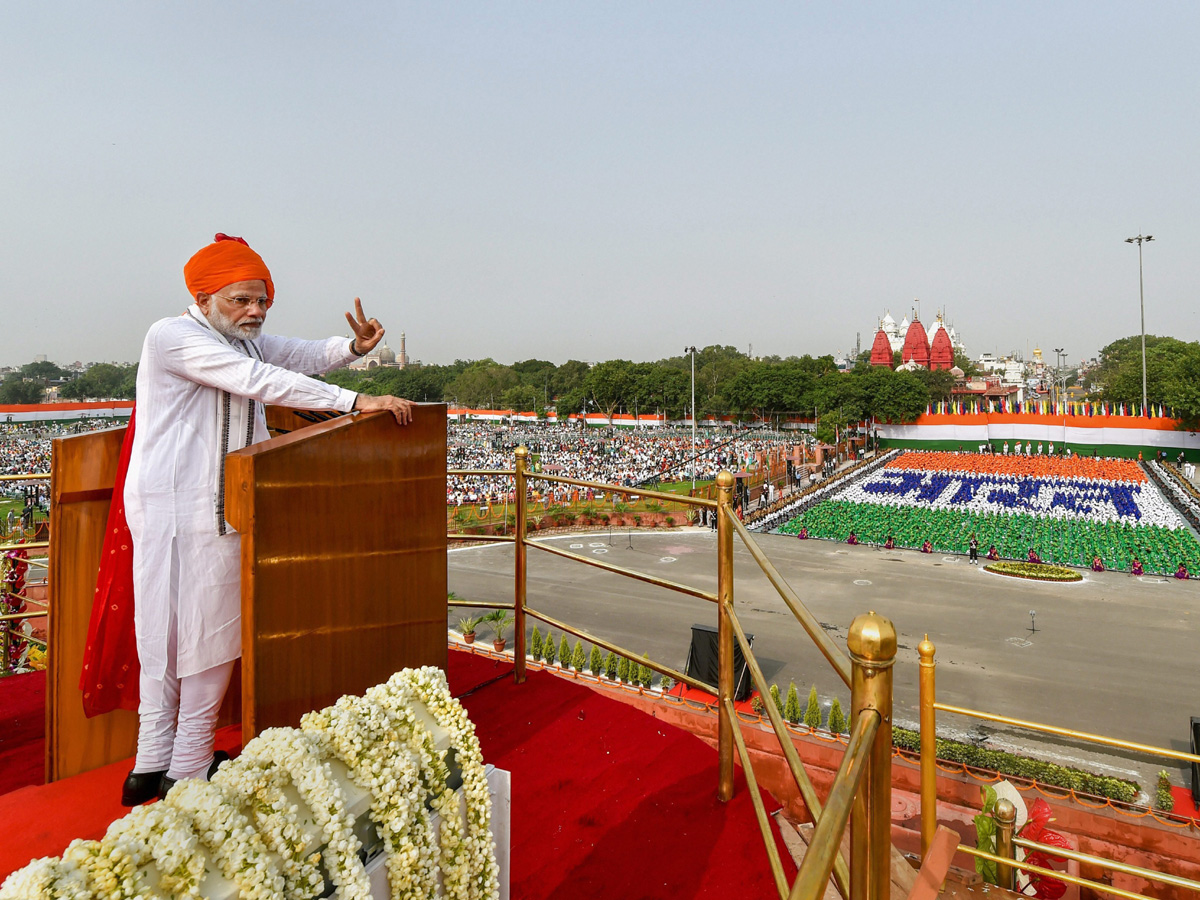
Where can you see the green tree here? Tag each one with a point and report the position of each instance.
(43, 371)
(1163, 798)
(939, 383)
(645, 673)
(837, 718)
(623, 669)
(775, 697)
(521, 398)
(481, 384)
(548, 649)
(1182, 393)
(16, 390)
(564, 652)
(812, 712)
(101, 381)
(791, 706)
(596, 662)
(611, 665)
(578, 658)
(610, 385)
(535, 644)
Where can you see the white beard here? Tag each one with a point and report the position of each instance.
(244, 332)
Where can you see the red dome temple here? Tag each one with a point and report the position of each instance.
(941, 354)
(916, 345)
(881, 350)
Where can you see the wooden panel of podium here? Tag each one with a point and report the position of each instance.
(343, 570)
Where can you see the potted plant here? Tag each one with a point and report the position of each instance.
(467, 626)
(499, 621)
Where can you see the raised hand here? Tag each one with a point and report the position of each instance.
(367, 332)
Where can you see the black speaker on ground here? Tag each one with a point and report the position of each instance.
(702, 660)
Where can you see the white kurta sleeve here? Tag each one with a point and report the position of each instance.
(187, 352)
(309, 357)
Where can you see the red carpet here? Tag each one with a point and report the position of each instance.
(607, 801)
(22, 730)
(610, 802)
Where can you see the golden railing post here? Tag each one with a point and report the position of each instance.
(872, 645)
(5, 638)
(1006, 819)
(725, 748)
(519, 562)
(928, 695)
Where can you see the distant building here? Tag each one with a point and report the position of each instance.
(384, 357)
(933, 350)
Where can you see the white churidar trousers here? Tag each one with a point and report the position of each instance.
(177, 717)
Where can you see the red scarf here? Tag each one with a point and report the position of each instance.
(111, 671)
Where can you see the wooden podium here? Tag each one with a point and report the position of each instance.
(343, 570)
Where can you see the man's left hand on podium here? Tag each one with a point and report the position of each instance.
(367, 332)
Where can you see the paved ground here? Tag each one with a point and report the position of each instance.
(1112, 655)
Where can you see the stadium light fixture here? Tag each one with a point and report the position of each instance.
(692, 351)
(1139, 240)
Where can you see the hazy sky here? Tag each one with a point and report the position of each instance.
(603, 180)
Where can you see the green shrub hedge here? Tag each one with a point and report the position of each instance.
(1046, 773)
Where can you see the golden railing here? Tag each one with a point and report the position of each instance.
(8, 620)
(1005, 813)
(861, 793)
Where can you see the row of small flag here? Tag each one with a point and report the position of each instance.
(1049, 408)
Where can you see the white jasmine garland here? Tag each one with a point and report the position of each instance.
(370, 739)
(259, 785)
(468, 861)
(303, 758)
(230, 840)
(162, 836)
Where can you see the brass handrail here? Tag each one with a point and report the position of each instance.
(830, 650)
(32, 476)
(479, 604)
(621, 570)
(760, 811)
(14, 617)
(461, 472)
(618, 489)
(1111, 864)
(41, 545)
(40, 563)
(1052, 873)
(1067, 732)
(826, 841)
(621, 651)
(841, 872)
(872, 645)
(486, 538)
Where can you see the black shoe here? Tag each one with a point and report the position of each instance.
(140, 787)
(165, 784)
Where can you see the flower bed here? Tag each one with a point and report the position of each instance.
(1061, 508)
(1034, 571)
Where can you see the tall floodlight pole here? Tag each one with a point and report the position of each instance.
(1139, 240)
(692, 351)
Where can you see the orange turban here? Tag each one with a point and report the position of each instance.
(225, 261)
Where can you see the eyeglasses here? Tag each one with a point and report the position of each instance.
(247, 302)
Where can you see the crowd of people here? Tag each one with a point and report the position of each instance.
(611, 456)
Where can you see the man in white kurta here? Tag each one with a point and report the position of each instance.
(202, 382)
